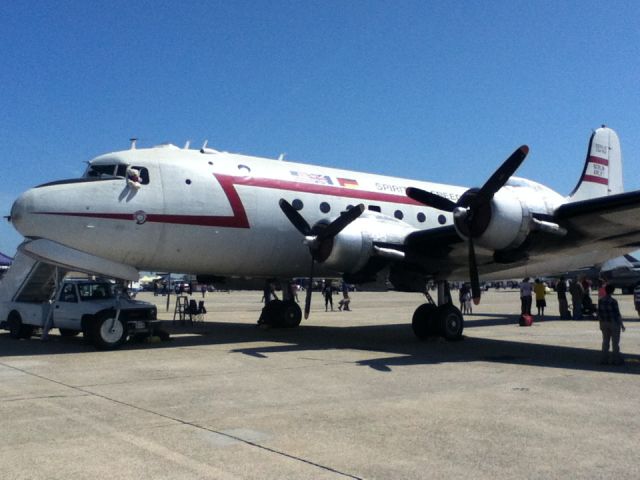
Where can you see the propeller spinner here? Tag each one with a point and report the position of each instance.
(472, 211)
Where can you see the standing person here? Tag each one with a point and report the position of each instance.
(525, 296)
(561, 289)
(203, 289)
(540, 290)
(327, 291)
(462, 297)
(344, 303)
(577, 296)
(467, 300)
(610, 325)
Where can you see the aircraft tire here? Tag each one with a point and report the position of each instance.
(291, 315)
(424, 322)
(450, 322)
(106, 333)
(272, 313)
(16, 328)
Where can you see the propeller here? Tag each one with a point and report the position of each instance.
(319, 239)
(472, 211)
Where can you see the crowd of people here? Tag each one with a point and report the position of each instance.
(607, 311)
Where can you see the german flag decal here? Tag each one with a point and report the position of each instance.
(347, 182)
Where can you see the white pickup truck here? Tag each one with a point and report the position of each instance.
(105, 318)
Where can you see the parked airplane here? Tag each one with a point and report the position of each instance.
(220, 214)
(622, 272)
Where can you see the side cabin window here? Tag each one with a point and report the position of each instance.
(68, 293)
(117, 171)
(94, 291)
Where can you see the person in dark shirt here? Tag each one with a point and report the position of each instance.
(610, 325)
(327, 292)
(561, 289)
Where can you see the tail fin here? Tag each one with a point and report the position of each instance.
(602, 174)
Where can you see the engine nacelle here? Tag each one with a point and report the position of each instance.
(353, 247)
(509, 224)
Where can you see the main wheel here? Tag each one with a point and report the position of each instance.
(424, 322)
(291, 315)
(272, 313)
(451, 323)
(107, 332)
(16, 328)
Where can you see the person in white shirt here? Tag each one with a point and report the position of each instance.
(525, 296)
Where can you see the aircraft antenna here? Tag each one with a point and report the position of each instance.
(205, 149)
(187, 145)
(281, 157)
(133, 143)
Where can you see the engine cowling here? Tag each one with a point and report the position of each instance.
(353, 247)
(502, 224)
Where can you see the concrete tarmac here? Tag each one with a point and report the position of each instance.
(345, 395)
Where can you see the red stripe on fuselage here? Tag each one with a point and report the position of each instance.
(328, 190)
(239, 219)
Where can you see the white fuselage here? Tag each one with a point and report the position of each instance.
(217, 213)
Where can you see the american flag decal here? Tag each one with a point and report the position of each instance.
(312, 178)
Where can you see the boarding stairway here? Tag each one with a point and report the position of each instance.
(27, 280)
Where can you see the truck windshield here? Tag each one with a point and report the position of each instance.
(95, 291)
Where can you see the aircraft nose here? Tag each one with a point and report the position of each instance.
(21, 210)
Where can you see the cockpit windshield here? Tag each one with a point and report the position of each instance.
(106, 171)
(118, 170)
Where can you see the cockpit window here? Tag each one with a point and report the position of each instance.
(117, 171)
(101, 171)
(143, 174)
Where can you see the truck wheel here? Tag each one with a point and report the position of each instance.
(16, 328)
(107, 333)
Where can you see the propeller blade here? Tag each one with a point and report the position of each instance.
(295, 218)
(502, 174)
(307, 298)
(473, 274)
(340, 223)
(430, 199)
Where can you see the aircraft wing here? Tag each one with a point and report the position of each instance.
(612, 220)
(596, 230)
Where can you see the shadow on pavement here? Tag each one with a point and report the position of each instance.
(395, 339)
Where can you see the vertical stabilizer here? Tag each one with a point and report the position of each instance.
(602, 174)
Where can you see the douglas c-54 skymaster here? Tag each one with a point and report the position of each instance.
(219, 214)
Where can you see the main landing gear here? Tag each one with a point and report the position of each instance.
(441, 319)
(281, 313)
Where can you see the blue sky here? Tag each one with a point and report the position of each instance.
(437, 90)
